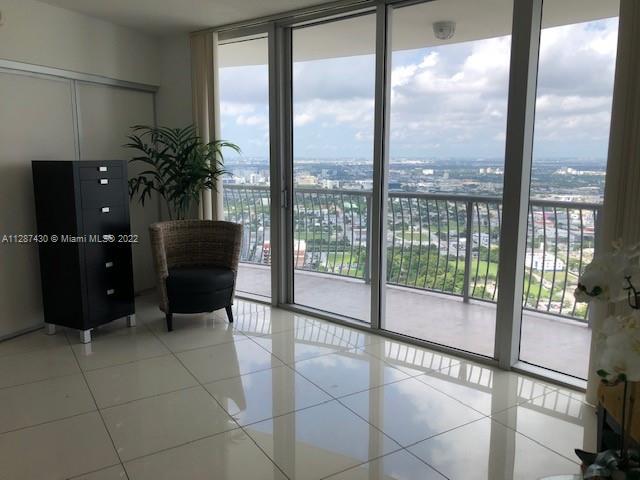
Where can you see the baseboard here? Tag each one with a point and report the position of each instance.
(24, 331)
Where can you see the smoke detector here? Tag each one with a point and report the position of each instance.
(444, 30)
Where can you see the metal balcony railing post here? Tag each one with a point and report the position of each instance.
(367, 256)
(467, 252)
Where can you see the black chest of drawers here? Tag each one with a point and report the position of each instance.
(82, 213)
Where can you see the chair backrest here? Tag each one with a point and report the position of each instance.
(201, 243)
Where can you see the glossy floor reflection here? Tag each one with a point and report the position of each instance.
(276, 395)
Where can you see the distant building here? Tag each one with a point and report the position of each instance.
(255, 178)
(330, 184)
(573, 171)
(481, 239)
(544, 261)
(307, 180)
(299, 252)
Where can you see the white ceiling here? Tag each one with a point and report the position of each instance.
(475, 18)
(412, 28)
(171, 16)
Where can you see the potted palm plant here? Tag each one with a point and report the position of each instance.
(181, 166)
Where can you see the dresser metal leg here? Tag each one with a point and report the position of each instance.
(131, 320)
(85, 336)
(51, 329)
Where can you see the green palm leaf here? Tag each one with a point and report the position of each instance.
(182, 165)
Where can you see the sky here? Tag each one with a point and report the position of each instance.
(446, 102)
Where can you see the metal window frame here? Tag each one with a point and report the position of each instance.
(282, 164)
(523, 76)
(526, 27)
(378, 226)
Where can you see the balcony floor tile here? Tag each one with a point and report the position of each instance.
(551, 342)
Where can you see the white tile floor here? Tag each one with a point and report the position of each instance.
(274, 396)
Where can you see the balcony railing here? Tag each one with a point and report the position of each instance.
(436, 242)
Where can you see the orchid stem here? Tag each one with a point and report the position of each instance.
(632, 292)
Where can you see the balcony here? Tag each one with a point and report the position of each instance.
(442, 251)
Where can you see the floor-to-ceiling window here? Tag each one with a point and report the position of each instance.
(449, 89)
(573, 111)
(333, 108)
(438, 143)
(244, 118)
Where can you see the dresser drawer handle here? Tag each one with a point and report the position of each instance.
(104, 181)
(102, 169)
(108, 265)
(111, 291)
(105, 209)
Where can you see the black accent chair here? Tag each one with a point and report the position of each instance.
(196, 262)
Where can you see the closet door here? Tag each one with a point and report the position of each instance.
(105, 117)
(36, 120)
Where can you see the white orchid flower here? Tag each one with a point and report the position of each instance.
(607, 277)
(621, 356)
(619, 341)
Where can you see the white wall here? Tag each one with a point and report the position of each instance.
(173, 102)
(41, 102)
(41, 34)
(37, 33)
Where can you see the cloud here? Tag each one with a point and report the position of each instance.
(234, 109)
(575, 84)
(449, 100)
(363, 136)
(252, 120)
(301, 119)
(244, 85)
(352, 112)
(430, 60)
(334, 79)
(578, 59)
(458, 106)
(402, 75)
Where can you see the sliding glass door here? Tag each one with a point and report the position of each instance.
(333, 108)
(399, 205)
(573, 112)
(449, 89)
(244, 114)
